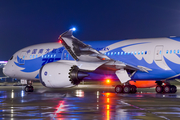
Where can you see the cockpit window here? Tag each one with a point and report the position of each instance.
(11, 58)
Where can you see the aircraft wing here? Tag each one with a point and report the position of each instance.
(85, 53)
(80, 51)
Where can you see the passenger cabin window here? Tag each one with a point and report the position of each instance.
(170, 51)
(167, 51)
(133, 53)
(145, 52)
(160, 52)
(139, 53)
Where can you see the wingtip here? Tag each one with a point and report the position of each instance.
(67, 33)
(73, 29)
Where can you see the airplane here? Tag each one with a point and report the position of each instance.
(150, 62)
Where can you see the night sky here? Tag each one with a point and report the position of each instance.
(28, 22)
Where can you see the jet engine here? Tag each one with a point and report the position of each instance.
(61, 75)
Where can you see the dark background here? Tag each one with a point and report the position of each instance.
(28, 22)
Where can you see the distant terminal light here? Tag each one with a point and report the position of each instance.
(172, 36)
(3, 62)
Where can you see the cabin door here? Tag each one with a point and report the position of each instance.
(158, 53)
(65, 55)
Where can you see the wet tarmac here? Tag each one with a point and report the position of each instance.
(86, 103)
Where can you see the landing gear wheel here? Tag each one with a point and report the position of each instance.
(133, 89)
(127, 89)
(29, 89)
(159, 89)
(173, 89)
(167, 89)
(26, 89)
(119, 89)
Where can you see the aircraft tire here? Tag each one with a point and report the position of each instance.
(127, 89)
(26, 89)
(29, 89)
(173, 89)
(119, 89)
(167, 89)
(133, 89)
(159, 89)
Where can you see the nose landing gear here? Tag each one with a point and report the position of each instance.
(29, 87)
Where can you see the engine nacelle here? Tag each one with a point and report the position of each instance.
(61, 75)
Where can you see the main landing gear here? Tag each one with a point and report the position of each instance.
(166, 88)
(125, 89)
(29, 87)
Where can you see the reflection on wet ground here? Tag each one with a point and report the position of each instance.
(86, 104)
